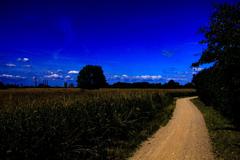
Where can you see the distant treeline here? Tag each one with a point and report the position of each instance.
(6, 86)
(169, 85)
(219, 85)
(92, 77)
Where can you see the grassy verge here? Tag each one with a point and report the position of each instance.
(79, 125)
(224, 135)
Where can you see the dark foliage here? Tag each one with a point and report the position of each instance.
(2, 86)
(169, 85)
(5, 86)
(42, 85)
(71, 85)
(220, 84)
(172, 84)
(91, 77)
(189, 85)
(65, 85)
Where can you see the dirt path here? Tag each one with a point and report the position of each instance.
(184, 137)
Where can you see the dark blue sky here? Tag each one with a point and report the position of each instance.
(133, 40)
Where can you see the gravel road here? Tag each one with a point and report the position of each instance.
(185, 137)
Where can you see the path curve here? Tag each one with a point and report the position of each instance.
(185, 137)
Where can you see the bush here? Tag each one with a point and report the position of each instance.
(214, 88)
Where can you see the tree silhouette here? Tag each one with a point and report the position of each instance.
(2, 86)
(188, 85)
(172, 84)
(219, 85)
(222, 36)
(91, 77)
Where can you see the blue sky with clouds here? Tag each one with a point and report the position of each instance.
(132, 40)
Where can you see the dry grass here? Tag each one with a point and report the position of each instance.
(80, 124)
(224, 135)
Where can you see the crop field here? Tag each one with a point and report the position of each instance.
(81, 124)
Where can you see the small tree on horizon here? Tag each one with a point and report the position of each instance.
(91, 77)
(172, 84)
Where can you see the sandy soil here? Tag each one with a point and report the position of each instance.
(184, 137)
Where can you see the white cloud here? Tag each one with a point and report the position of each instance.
(177, 79)
(149, 77)
(23, 59)
(6, 76)
(50, 72)
(54, 76)
(136, 78)
(19, 76)
(116, 76)
(197, 69)
(68, 77)
(10, 65)
(11, 76)
(28, 66)
(73, 72)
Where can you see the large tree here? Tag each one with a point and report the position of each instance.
(222, 36)
(219, 85)
(91, 77)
